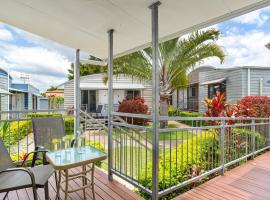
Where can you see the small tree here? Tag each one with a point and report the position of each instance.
(136, 106)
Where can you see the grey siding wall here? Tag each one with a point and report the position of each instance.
(68, 95)
(234, 85)
(31, 91)
(255, 76)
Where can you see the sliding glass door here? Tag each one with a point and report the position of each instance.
(88, 100)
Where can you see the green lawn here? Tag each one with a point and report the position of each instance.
(179, 135)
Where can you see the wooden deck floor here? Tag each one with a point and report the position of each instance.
(104, 189)
(249, 181)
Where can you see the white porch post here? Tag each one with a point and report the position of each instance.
(77, 94)
(110, 100)
(155, 99)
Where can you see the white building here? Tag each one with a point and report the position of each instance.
(94, 91)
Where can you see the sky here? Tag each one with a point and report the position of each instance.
(47, 63)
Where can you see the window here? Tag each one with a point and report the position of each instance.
(214, 88)
(132, 93)
(192, 91)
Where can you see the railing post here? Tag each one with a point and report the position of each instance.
(155, 99)
(253, 137)
(268, 136)
(222, 146)
(110, 101)
(77, 95)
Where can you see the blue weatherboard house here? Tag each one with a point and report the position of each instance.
(24, 96)
(17, 96)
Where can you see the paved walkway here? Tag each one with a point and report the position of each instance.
(250, 181)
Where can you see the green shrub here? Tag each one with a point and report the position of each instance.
(190, 122)
(246, 135)
(172, 111)
(189, 155)
(69, 125)
(43, 115)
(16, 130)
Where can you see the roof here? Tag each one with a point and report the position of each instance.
(118, 86)
(17, 90)
(213, 81)
(121, 81)
(5, 92)
(230, 68)
(84, 24)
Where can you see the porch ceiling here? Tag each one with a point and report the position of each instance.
(83, 23)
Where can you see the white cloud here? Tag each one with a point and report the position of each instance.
(244, 49)
(5, 35)
(44, 67)
(257, 17)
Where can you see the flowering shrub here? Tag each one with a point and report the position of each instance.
(253, 106)
(136, 106)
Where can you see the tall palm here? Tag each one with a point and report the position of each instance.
(176, 58)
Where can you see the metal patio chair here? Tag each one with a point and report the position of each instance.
(15, 178)
(99, 111)
(46, 129)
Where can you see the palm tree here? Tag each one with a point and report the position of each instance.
(176, 58)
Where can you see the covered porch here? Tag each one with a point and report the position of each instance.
(159, 162)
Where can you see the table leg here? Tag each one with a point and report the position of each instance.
(84, 180)
(58, 185)
(92, 181)
(66, 184)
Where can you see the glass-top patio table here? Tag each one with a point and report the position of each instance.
(65, 159)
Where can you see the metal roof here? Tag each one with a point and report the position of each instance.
(84, 24)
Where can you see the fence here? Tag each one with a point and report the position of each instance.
(190, 149)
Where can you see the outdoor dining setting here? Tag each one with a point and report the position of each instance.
(58, 154)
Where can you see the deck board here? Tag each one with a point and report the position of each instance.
(104, 190)
(250, 181)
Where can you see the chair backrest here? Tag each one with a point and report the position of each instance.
(46, 129)
(5, 160)
(99, 109)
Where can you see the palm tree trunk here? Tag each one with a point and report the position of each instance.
(164, 106)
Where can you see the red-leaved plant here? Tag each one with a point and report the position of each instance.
(218, 107)
(136, 106)
(253, 106)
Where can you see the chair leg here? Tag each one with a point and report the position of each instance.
(5, 196)
(92, 181)
(66, 184)
(46, 190)
(58, 186)
(35, 193)
(83, 180)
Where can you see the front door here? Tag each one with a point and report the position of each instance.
(88, 100)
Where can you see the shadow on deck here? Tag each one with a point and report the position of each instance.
(249, 181)
(104, 189)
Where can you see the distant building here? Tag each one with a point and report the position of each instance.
(24, 96)
(236, 82)
(17, 96)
